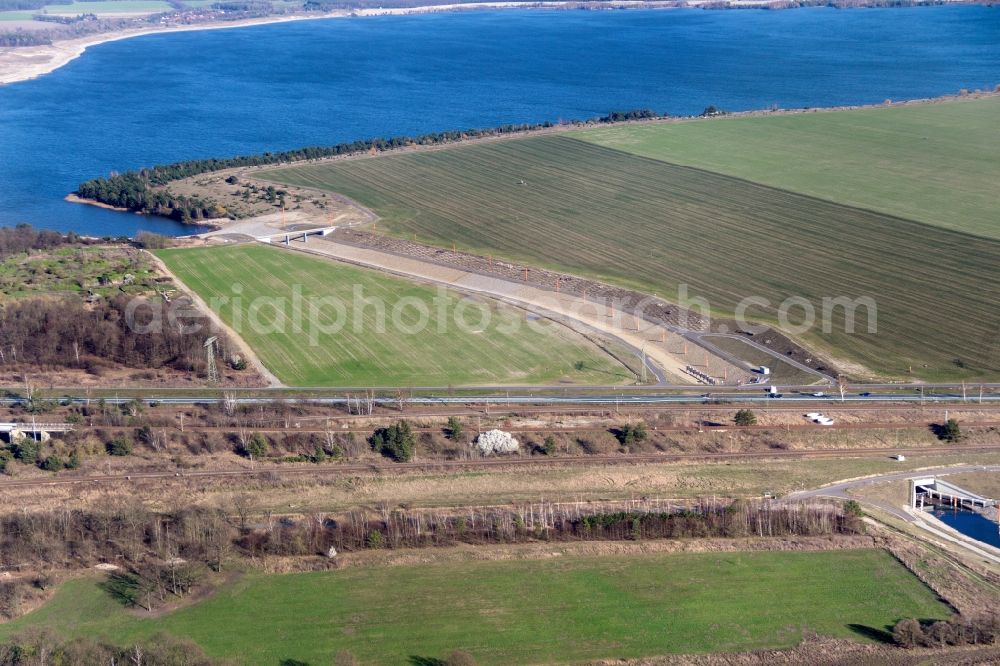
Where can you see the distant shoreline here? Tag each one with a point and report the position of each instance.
(30, 62)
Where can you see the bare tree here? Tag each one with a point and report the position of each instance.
(229, 403)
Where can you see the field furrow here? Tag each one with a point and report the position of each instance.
(571, 205)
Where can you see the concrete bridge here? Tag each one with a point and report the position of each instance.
(932, 488)
(287, 238)
(40, 431)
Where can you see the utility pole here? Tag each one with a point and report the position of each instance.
(643, 362)
(210, 367)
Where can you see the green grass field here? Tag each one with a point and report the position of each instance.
(641, 222)
(110, 7)
(98, 7)
(361, 353)
(516, 612)
(934, 163)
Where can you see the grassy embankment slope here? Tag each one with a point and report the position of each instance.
(652, 224)
(507, 351)
(564, 610)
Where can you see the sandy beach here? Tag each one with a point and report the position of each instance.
(23, 63)
(29, 62)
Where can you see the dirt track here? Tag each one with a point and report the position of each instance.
(649, 308)
(667, 349)
(443, 466)
(247, 351)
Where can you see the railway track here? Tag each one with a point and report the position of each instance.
(446, 466)
(494, 411)
(553, 429)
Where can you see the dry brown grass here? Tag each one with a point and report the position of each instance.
(897, 492)
(981, 483)
(544, 551)
(573, 482)
(822, 651)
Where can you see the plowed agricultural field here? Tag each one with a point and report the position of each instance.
(379, 336)
(934, 163)
(568, 204)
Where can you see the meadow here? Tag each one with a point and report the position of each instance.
(934, 163)
(100, 270)
(561, 610)
(575, 206)
(99, 7)
(361, 352)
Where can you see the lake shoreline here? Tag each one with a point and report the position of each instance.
(30, 62)
(221, 223)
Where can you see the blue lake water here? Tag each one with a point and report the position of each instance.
(972, 525)
(162, 98)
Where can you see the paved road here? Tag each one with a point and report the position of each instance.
(526, 397)
(700, 339)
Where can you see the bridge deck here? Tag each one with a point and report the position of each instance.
(936, 488)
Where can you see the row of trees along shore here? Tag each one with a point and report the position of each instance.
(145, 191)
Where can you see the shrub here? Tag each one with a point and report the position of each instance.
(53, 464)
(74, 460)
(630, 434)
(150, 241)
(454, 429)
(981, 629)
(25, 449)
(853, 508)
(120, 446)
(549, 445)
(745, 417)
(256, 447)
(395, 441)
(908, 633)
(950, 431)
